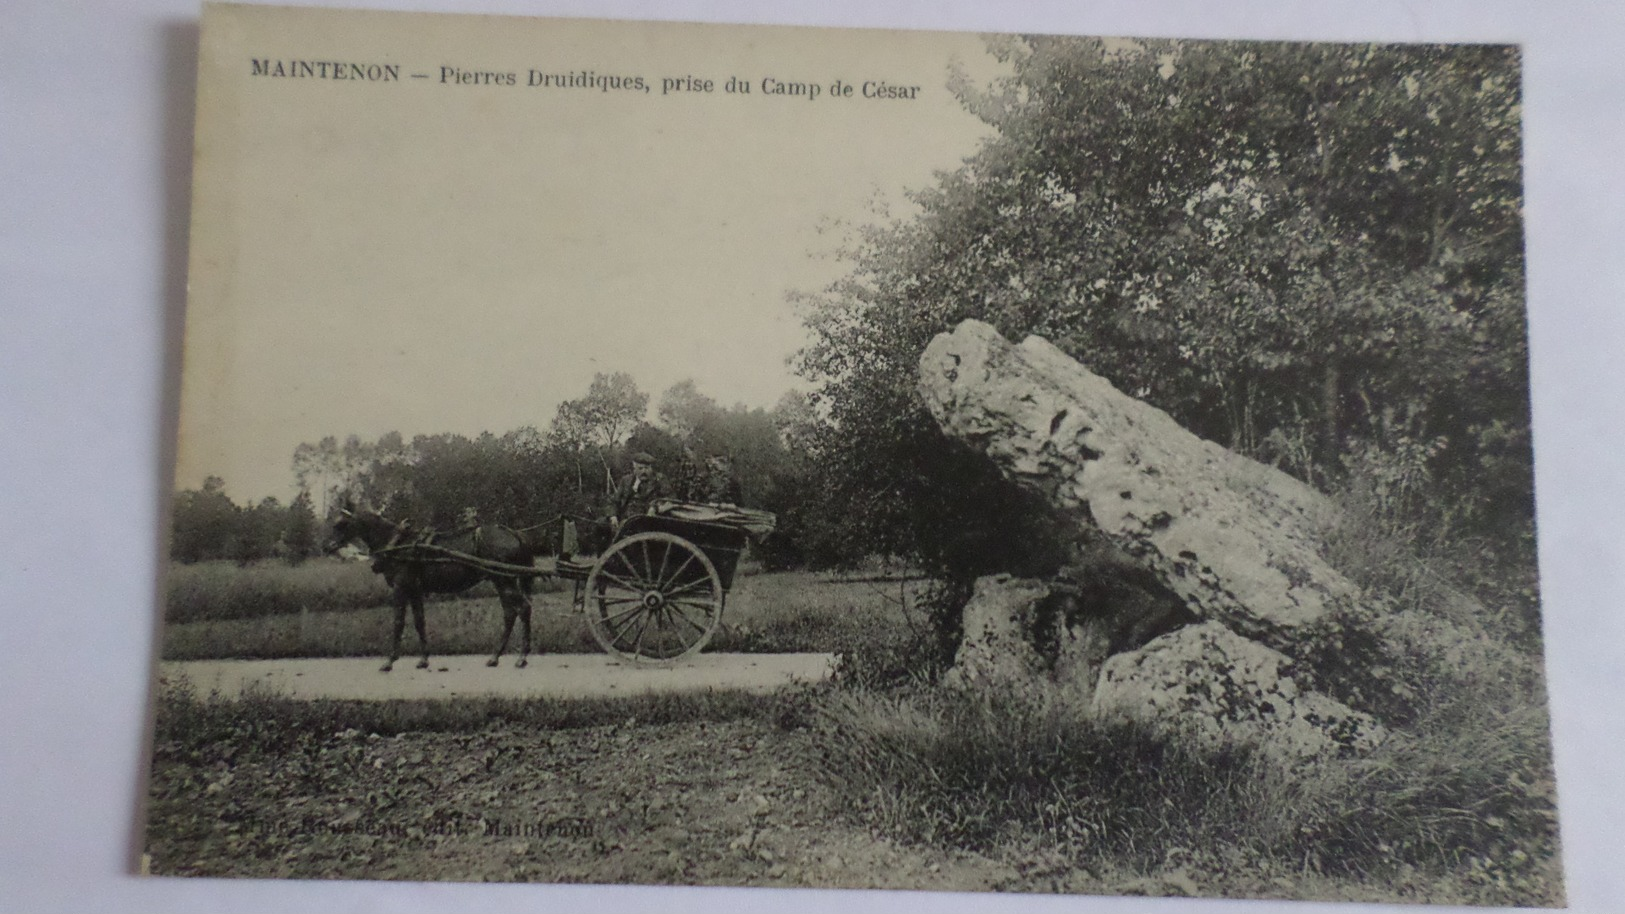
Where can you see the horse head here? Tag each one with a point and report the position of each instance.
(358, 524)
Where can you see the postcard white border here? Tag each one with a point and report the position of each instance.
(94, 127)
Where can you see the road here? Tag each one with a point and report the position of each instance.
(548, 675)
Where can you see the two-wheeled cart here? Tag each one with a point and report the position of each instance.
(657, 592)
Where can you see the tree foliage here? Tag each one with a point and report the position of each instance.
(1296, 250)
(207, 524)
(523, 478)
(599, 421)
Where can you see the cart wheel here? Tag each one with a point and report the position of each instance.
(654, 597)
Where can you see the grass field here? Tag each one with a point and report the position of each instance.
(766, 613)
(898, 782)
(211, 591)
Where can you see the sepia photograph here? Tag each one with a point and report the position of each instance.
(679, 454)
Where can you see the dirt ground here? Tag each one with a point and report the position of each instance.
(465, 676)
(733, 803)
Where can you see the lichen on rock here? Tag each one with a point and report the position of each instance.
(1290, 654)
(1205, 681)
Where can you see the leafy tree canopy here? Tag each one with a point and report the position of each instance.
(1289, 247)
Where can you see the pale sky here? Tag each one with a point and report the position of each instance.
(424, 258)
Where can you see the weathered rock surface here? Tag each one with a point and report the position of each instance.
(1235, 539)
(998, 646)
(1207, 682)
(1271, 630)
(1203, 681)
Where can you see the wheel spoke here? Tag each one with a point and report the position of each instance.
(685, 617)
(623, 582)
(622, 630)
(704, 606)
(623, 613)
(702, 586)
(666, 582)
(648, 563)
(641, 582)
(665, 556)
(638, 644)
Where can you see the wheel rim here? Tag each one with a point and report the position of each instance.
(654, 597)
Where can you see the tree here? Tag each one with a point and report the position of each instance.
(1285, 246)
(318, 468)
(685, 412)
(204, 523)
(300, 532)
(798, 423)
(612, 408)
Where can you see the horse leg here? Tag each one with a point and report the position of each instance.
(417, 623)
(524, 619)
(508, 615)
(395, 634)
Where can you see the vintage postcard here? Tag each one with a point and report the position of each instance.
(680, 454)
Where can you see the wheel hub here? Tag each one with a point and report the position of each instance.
(653, 600)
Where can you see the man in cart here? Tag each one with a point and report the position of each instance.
(638, 490)
(720, 483)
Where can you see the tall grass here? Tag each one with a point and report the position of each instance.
(1458, 806)
(469, 626)
(1392, 534)
(1461, 807)
(977, 770)
(205, 591)
(226, 590)
(768, 613)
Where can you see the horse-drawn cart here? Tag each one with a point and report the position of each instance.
(654, 595)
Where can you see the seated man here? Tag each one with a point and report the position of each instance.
(638, 490)
(721, 486)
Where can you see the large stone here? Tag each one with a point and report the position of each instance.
(1019, 631)
(1236, 540)
(1210, 684)
(1236, 543)
(1028, 640)
(999, 645)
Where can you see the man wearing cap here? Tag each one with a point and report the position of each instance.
(638, 490)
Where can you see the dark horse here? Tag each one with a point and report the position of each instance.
(410, 580)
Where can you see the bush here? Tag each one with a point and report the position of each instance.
(1395, 533)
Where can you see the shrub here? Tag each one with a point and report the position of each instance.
(1396, 534)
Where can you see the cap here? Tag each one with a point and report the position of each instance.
(643, 457)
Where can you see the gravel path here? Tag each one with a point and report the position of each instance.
(548, 675)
